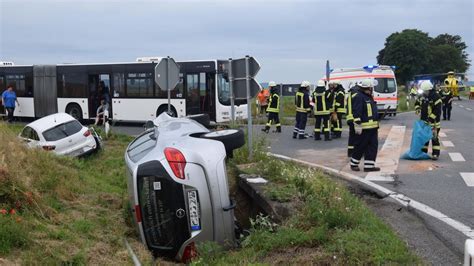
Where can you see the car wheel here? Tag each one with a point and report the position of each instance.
(75, 111)
(202, 119)
(231, 138)
(164, 109)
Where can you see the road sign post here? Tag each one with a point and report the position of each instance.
(167, 76)
(231, 91)
(249, 107)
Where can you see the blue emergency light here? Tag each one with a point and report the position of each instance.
(393, 67)
(369, 68)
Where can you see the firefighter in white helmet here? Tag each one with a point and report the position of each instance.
(302, 109)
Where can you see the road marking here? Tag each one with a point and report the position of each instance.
(462, 106)
(468, 178)
(447, 143)
(469, 109)
(403, 200)
(442, 135)
(456, 157)
(389, 155)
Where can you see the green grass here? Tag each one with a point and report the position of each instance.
(330, 224)
(69, 210)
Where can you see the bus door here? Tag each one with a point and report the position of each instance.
(99, 89)
(199, 94)
(3, 87)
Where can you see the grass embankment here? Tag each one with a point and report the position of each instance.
(330, 225)
(66, 210)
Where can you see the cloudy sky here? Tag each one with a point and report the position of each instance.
(291, 39)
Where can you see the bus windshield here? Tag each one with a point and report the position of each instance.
(386, 85)
(223, 91)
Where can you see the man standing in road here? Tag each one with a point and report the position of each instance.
(273, 109)
(8, 100)
(339, 110)
(428, 106)
(302, 109)
(366, 126)
(323, 101)
(350, 120)
(262, 98)
(447, 98)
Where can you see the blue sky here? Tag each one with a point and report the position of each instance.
(291, 39)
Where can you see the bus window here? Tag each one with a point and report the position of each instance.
(72, 85)
(139, 85)
(385, 85)
(22, 84)
(118, 89)
(223, 90)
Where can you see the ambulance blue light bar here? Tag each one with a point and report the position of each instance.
(369, 68)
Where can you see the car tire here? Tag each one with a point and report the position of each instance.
(74, 110)
(164, 109)
(231, 138)
(202, 119)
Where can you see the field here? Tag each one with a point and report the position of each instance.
(58, 210)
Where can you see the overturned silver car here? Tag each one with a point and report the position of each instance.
(178, 188)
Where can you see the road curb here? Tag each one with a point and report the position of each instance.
(383, 192)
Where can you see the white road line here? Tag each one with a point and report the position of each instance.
(469, 109)
(442, 135)
(456, 157)
(384, 192)
(447, 143)
(468, 178)
(462, 106)
(389, 155)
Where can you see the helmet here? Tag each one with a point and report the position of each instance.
(451, 73)
(321, 83)
(305, 84)
(368, 83)
(272, 84)
(335, 82)
(426, 85)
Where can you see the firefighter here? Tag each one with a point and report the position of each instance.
(452, 83)
(366, 126)
(447, 98)
(428, 106)
(339, 110)
(323, 101)
(350, 119)
(273, 109)
(302, 109)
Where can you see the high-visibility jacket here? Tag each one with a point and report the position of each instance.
(430, 108)
(350, 96)
(274, 104)
(452, 83)
(446, 96)
(364, 110)
(302, 101)
(323, 101)
(413, 91)
(339, 98)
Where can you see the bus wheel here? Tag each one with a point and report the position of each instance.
(164, 109)
(74, 110)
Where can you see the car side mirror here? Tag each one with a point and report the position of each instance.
(149, 124)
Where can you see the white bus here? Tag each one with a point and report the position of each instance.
(385, 93)
(130, 89)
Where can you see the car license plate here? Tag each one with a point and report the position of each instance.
(194, 210)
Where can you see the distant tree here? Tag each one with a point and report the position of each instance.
(409, 51)
(462, 61)
(446, 58)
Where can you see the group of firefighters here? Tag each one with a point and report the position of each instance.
(330, 102)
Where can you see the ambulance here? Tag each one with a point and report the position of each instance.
(385, 93)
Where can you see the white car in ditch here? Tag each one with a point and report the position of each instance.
(61, 134)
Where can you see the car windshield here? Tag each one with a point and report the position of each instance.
(385, 85)
(141, 146)
(63, 130)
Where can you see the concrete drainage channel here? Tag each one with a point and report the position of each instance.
(421, 210)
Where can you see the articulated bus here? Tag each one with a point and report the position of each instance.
(385, 93)
(134, 96)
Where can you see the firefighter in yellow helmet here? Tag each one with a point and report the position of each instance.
(452, 83)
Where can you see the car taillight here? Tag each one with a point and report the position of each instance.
(138, 213)
(177, 161)
(49, 147)
(87, 133)
(189, 253)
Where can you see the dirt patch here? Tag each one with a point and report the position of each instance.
(423, 166)
(298, 256)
